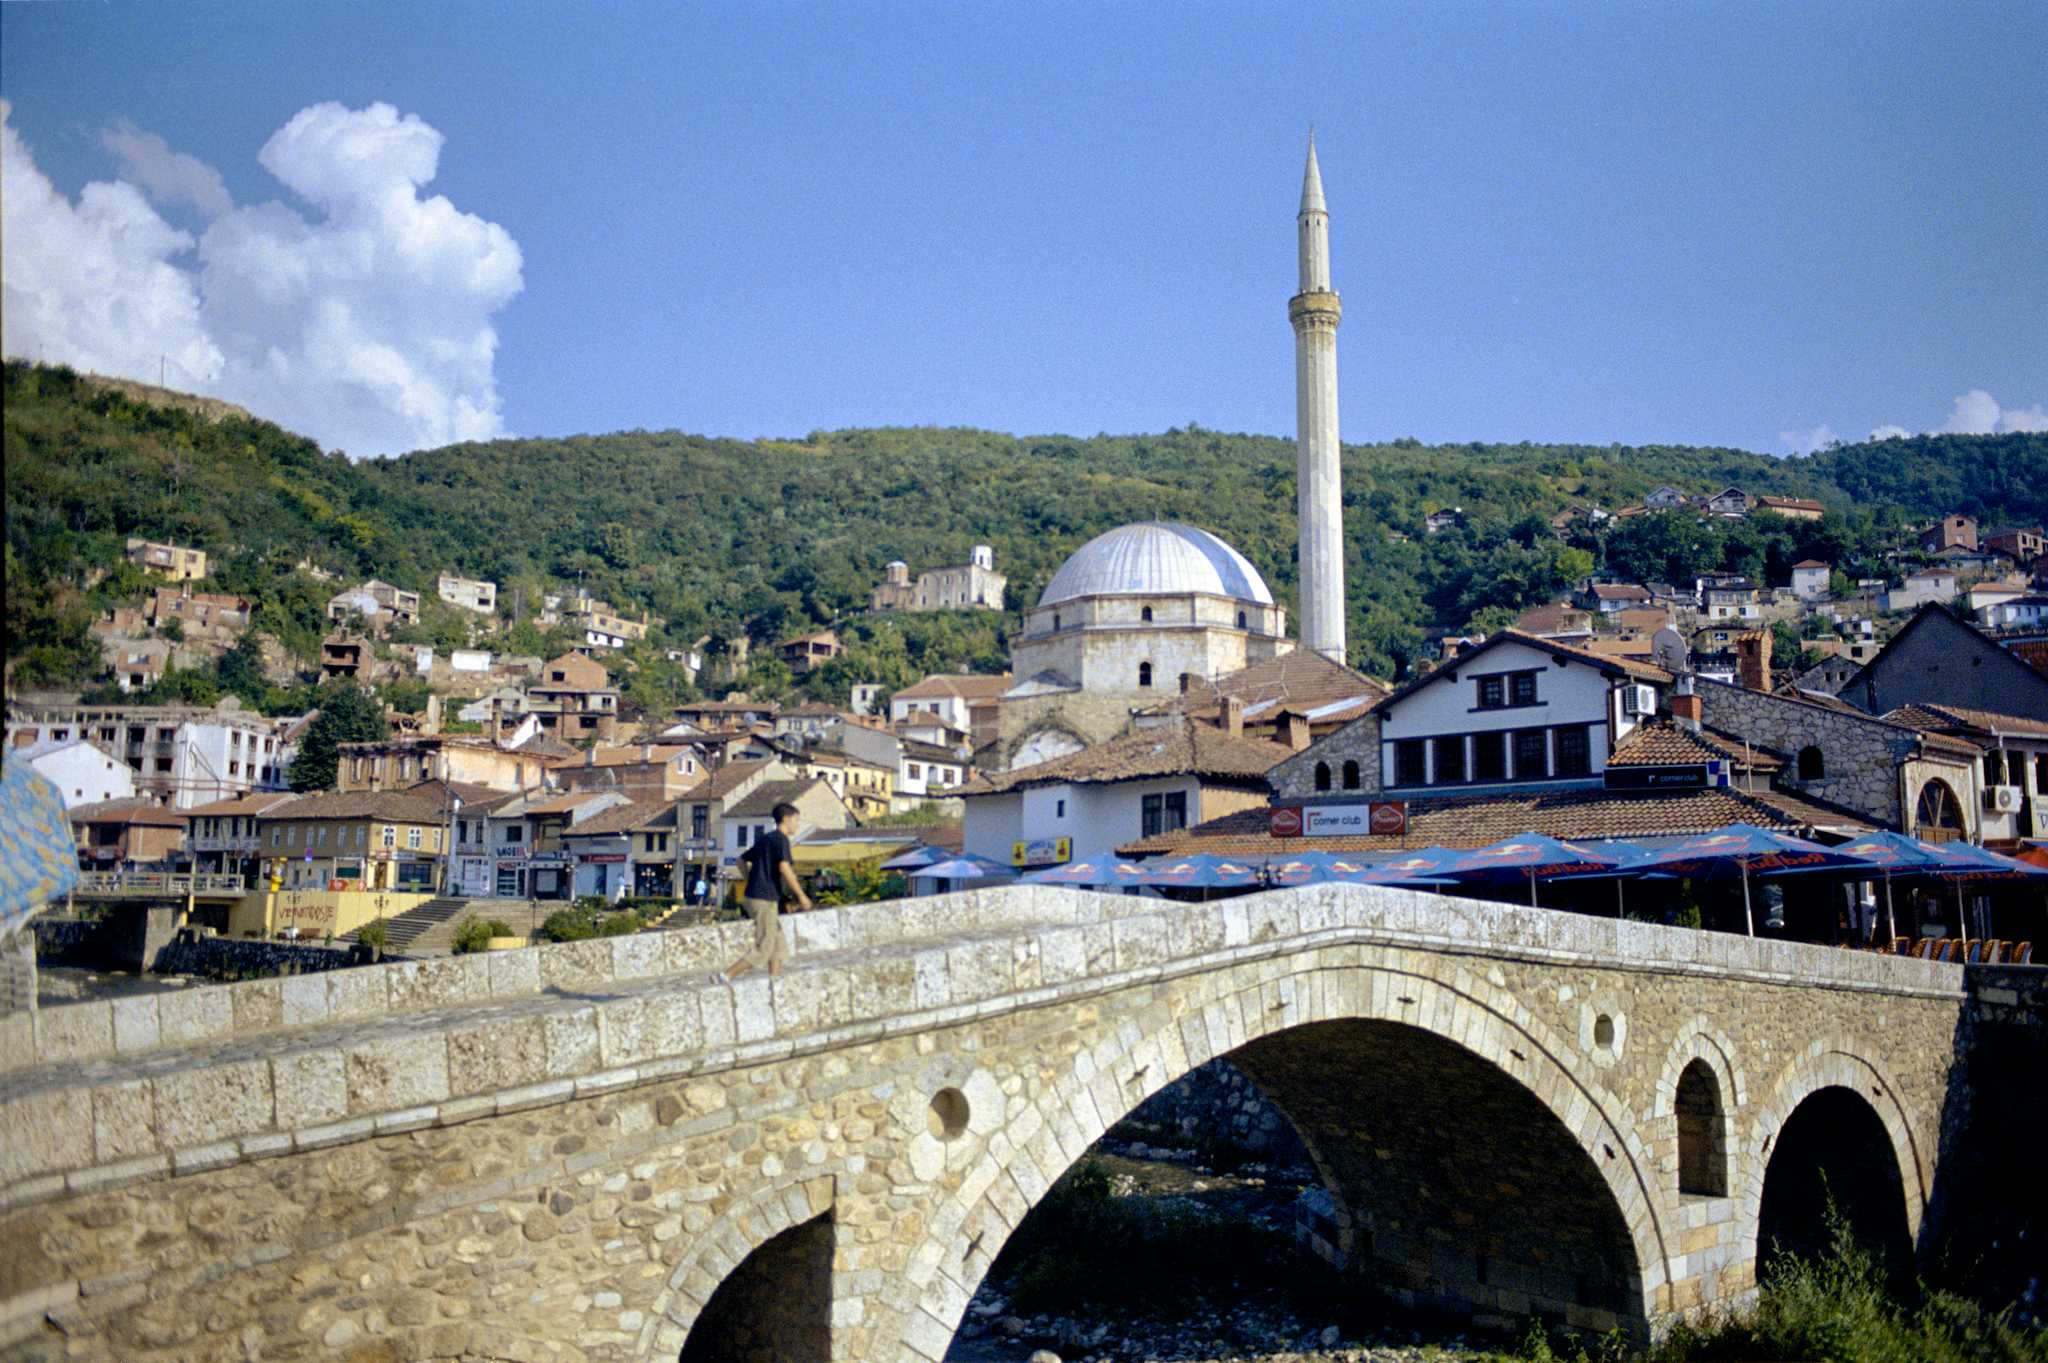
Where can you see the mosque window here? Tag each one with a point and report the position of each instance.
(1322, 776)
(1185, 679)
(1240, 619)
(1146, 615)
(1055, 622)
(1144, 675)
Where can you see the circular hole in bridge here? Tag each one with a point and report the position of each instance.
(947, 1116)
(1603, 1031)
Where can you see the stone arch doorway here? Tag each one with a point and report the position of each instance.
(1833, 1158)
(1424, 1053)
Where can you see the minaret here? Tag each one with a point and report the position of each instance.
(1315, 313)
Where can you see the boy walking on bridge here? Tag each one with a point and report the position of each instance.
(771, 878)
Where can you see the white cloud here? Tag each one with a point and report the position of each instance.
(1978, 413)
(367, 325)
(167, 176)
(1809, 440)
(1889, 433)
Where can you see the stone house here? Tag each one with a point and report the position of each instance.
(972, 585)
(2013, 765)
(1085, 804)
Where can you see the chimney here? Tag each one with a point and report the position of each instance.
(1686, 711)
(1295, 734)
(1753, 660)
(1233, 716)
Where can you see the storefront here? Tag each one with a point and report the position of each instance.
(473, 877)
(550, 875)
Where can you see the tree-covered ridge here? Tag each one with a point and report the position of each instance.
(720, 536)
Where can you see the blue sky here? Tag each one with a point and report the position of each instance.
(1708, 223)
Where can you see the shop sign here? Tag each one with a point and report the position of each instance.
(510, 849)
(1042, 852)
(1384, 818)
(604, 858)
(1696, 776)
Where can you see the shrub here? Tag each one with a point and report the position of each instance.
(618, 924)
(373, 933)
(475, 934)
(568, 925)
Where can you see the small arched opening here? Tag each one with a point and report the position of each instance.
(1812, 765)
(1832, 1163)
(1702, 1138)
(1144, 676)
(1240, 619)
(1322, 776)
(1146, 615)
(1351, 774)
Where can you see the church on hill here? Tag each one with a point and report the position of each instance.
(1153, 610)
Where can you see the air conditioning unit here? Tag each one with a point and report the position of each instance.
(2002, 799)
(1639, 700)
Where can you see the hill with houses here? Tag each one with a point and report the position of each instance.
(686, 560)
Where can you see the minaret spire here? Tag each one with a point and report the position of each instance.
(1315, 312)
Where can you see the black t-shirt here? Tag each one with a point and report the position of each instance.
(769, 851)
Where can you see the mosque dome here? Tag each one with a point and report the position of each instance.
(1156, 558)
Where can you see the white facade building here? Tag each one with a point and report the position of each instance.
(177, 755)
(83, 773)
(468, 593)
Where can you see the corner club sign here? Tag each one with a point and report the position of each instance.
(1381, 818)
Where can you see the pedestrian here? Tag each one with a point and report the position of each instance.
(771, 880)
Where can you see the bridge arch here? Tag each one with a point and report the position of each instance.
(1832, 1068)
(1476, 1018)
(713, 1256)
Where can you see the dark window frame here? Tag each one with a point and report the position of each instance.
(1518, 745)
(1453, 744)
(1411, 761)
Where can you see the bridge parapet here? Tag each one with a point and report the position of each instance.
(220, 1076)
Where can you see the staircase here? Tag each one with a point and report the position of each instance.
(427, 928)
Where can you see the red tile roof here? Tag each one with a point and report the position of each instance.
(1475, 821)
(1939, 718)
(1664, 743)
(1182, 748)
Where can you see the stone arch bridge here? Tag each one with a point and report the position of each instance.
(588, 1152)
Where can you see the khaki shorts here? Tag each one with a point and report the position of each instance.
(771, 948)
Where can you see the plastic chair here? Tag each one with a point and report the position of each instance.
(1946, 950)
(1924, 948)
(1973, 954)
(1902, 946)
(2023, 954)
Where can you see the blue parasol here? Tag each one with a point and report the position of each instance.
(1748, 848)
(1093, 873)
(915, 858)
(38, 858)
(1530, 856)
(1200, 871)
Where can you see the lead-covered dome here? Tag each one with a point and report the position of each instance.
(1156, 557)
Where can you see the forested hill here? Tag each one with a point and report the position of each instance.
(718, 535)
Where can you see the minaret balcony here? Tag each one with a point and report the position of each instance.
(1319, 309)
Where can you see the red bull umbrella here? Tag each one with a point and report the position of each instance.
(1092, 873)
(1530, 856)
(1201, 871)
(1748, 848)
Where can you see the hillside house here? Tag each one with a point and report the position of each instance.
(1606, 598)
(2026, 612)
(2024, 543)
(1665, 499)
(380, 605)
(1443, 519)
(1729, 501)
(1810, 579)
(173, 561)
(83, 772)
(573, 700)
(601, 625)
(805, 653)
(200, 616)
(468, 593)
(1791, 508)
(1950, 532)
(1929, 586)
(958, 698)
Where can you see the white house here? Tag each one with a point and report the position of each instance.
(468, 593)
(925, 771)
(1088, 803)
(1929, 586)
(1810, 579)
(1516, 711)
(952, 697)
(2016, 612)
(82, 772)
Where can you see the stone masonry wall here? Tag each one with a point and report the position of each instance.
(1358, 741)
(1862, 755)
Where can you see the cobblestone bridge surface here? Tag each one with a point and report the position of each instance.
(590, 1152)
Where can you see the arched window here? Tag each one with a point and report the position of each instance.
(1055, 622)
(1322, 776)
(1351, 775)
(1240, 619)
(1812, 766)
(1185, 679)
(1702, 1154)
(1145, 614)
(1144, 674)
(1938, 815)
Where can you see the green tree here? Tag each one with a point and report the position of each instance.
(241, 670)
(347, 715)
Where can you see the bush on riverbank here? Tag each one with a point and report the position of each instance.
(1833, 1309)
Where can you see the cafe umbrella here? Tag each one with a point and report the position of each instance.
(1749, 848)
(1092, 873)
(1895, 852)
(1531, 855)
(1200, 871)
